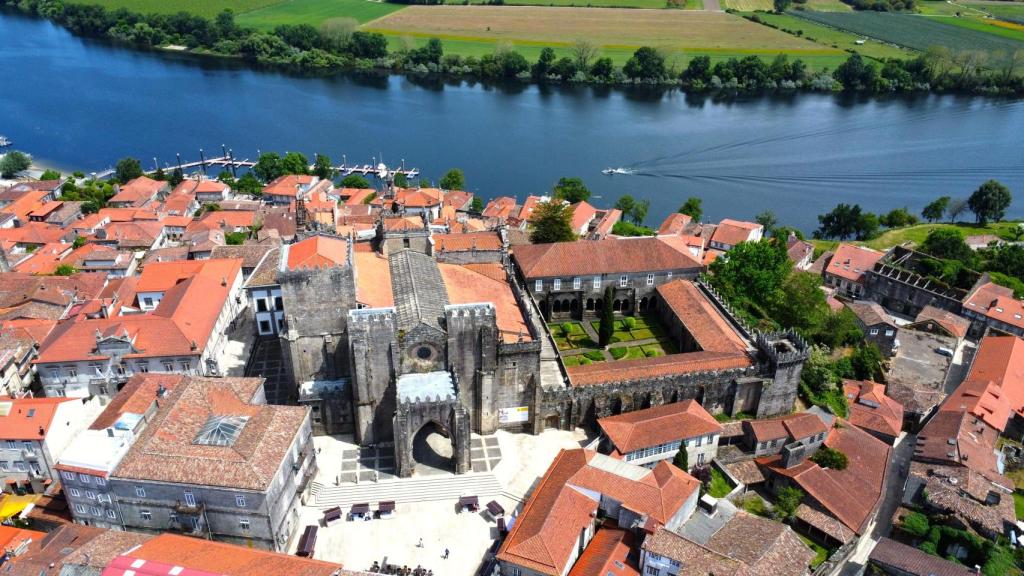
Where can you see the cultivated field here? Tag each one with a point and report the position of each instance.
(207, 8)
(749, 5)
(672, 30)
(1009, 30)
(583, 3)
(912, 31)
(834, 37)
(314, 12)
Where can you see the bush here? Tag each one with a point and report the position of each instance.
(235, 238)
(629, 322)
(585, 361)
(594, 355)
(830, 458)
(786, 502)
(567, 329)
(619, 353)
(915, 524)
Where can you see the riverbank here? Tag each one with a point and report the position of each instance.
(306, 50)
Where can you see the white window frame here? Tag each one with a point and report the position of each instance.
(240, 500)
(146, 515)
(556, 284)
(100, 481)
(80, 508)
(623, 280)
(12, 445)
(83, 478)
(577, 282)
(597, 283)
(538, 285)
(90, 494)
(244, 524)
(20, 466)
(650, 279)
(74, 492)
(190, 498)
(111, 513)
(140, 492)
(95, 511)
(68, 475)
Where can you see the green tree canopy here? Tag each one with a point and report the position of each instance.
(295, 163)
(840, 223)
(551, 222)
(645, 64)
(354, 181)
(322, 167)
(477, 205)
(572, 190)
(14, 161)
(453, 179)
(990, 201)
(898, 218)
(830, 458)
(127, 169)
(49, 174)
(787, 500)
(682, 458)
(935, 209)
(752, 270)
(64, 270)
(947, 243)
(692, 208)
(768, 220)
(401, 180)
(607, 326)
(177, 177)
(268, 166)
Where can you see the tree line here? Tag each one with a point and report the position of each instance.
(338, 45)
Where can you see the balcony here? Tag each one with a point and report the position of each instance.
(29, 454)
(194, 509)
(190, 526)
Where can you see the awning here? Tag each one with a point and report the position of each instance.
(469, 501)
(386, 506)
(360, 508)
(495, 509)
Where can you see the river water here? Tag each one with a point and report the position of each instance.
(82, 104)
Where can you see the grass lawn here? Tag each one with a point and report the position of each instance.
(755, 505)
(720, 486)
(634, 352)
(834, 38)
(828, 6)
(694, 5)
(617, 32)
(208, 9)
(918, 233)
(1018, 504)
(1011, 11)
(820, 553)
(314, 12)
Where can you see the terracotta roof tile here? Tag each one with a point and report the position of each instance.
(852, 262)
(28, 418)
(609, 256)
(871, 409)
(953, 324)
(996, 302)
(609, 553)
(914, 562)
(467, 242)
(732, 232)
(318, 251)
(658, 425)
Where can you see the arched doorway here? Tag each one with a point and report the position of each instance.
(433, 450)
(552, 422)
(643, 304)
(599, 305)
(556, 307)
(590, 303)
(574, 306)
(544, 308)
(617, 305)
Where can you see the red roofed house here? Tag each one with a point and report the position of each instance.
(204, 190)
(847, 270)
(411, 201)
(188, 305)
(646, 437)
(583, 214)
(802, 430)
(286, 189)
(138, 192)
(873, 411)
(729, 233)
(992, 306)
(558, 522)
(34, 432)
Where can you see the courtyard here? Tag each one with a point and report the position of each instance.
(632, 338)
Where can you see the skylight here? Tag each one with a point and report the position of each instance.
(221, 430)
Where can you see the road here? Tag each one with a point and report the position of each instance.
(882, 525)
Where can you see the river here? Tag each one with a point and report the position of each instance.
(82, 104)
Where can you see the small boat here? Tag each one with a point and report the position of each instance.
(4, 141)
(611, 171)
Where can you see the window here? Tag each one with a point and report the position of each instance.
(184, 365)
(405, 242)
(147, 301)
(538, 286)
(90, 494)
(74, 492)
(243, 524)
(874, 332)
(515, 571)
(122, 368)
(83, 478)
(264, 326)
(557, 284)
(100, 482)
(143, 367)
(68, 475)
(80, 508)
(20, 466)
(145, 515)
(652, 571)
(577, 283)
(261, 304)
(103, 498)
(889, 332)
(240, 501)
(623, 280)
(111, 514)
(72, 372)
(12, 445)
(597, 283)
(278, 303)
(650, 279)
(668, 275)
(190, 498)
(95, 511)
(699, 440)
(140, 491)
(168, 366)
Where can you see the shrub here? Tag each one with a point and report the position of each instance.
(915, 524)
(786, 501)
(830, 458)
(629, 322)
(619, 353)
(567, 329)
(585, 361)
(650, 353)
(594, 355)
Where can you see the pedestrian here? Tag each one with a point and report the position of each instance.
(420, 545)
(445, 554)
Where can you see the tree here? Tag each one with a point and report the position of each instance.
(583, 52)
(645, 64)
(866, 226)
(453, 179)
(625, 203)
(13, 162)
(602, 68)
(830, 458)
(322, 167)
(64, 270)
(572, 190)
(354, 181)
(424, 183)
(268, 166)
(956, 208)
(915, 524)
(235, 238)
(692, 208)
(898, 218)
(367, 45)
(79, 242)
(542, 68)
(841, 222)
(768, 220)
(787, 499)
(248, 184)
(682, 459)
(801, 305)
(698, 71)
(782, 5)
(947, 243)
(867, 363)
(551, 222)
(855, 74)
(295, 163)
(477, 205)
(753, 271)
(401, 180)
(990, 201)
(934, 210)
(50, 175)
(607, 326)
(127, 169)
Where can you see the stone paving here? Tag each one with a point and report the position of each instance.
(361, 464)
(266, 362)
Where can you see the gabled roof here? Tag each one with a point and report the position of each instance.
(871, 409)
(609, 553)
(316, 252)
(996, 302)
(138, 191)
(582, 214)
(28, 418)
(467, 241)
(732, 232)
(419, 291)
(914, 562)
(869, 313)
(793, 426)
(658, 425)
(608, 256)
(1000, 360)
(953, 324)
(698, 560)
(852, 262)
(676, 223)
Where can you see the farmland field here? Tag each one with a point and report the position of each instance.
(207, 8)
(835, 38)
(828, 6)
(1010, 11)
(314, 12)
(912, 31)
(583, 3)
(611, 28)
(986, 26)
(748, 5)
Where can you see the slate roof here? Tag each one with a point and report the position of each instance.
(695, 560)
(869, 313)
(166, 451)
(419, 291)
(767, 547)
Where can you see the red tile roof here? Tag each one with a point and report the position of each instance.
(794, 426)
(468, 241)
(608, 554)
(956, 325)
(287, 185)
(914, 562)
(138, 191)
(658, 425)
(501, 207)
(608, 256)
(373, 280)
(474, 284)
(675, 224)
(28, 418)
(648, 368)
(871, 409)
(1000, 360)
(852, 262)
(227, 559)
(996, 302)
(318, 251)
(582, 214)
(419, 197)
(161, 276)
(136, 397)
(732, 232)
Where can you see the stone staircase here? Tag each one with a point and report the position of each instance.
(427, 489)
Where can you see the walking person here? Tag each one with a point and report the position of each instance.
(445, 554)
(420, 545)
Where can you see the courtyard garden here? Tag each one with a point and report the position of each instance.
(632, 338)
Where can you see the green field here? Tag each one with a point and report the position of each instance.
(912, 31)
(1009, 11)
(315, 12)
(583, 3)
(985, 26)
(748, 5)
(828, 6)
(208, 9)
(833, 37)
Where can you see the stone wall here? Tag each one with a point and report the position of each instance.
(373, 334)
